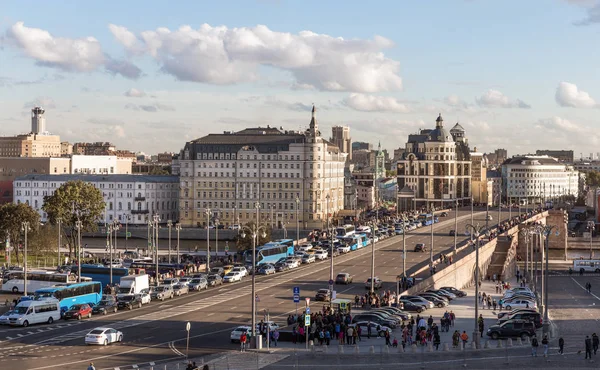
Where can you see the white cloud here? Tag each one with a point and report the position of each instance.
(134, 93)
(559, 125)
(496, 99)
(592, 16)
(569, 95)
(370, 103)
(220, 55)
(73, 55)
(153, 108)
(41, 101)
(454, 101)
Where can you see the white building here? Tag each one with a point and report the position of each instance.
(131, 197)
(101, 164)
(535, 178)
(291, 175)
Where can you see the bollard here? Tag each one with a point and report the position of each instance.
(312, 349)
(528, 341)
(372, 349)
(311, 343)
(356, 350)
(386, 350)
(499, 343)
(429, 347)
(519, 342)
(413, 348)
(461, 345)
(473, 345)
(400, 349)
(326, 349)
(509, 342)
(340, 349)
(487, 344)
(446, 347)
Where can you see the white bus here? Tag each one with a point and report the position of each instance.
(586, 265)
(15, 282)
(345, 231)
(35, 312)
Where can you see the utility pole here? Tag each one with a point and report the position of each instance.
(78, 226)
(25, 228)
(178, 228)
(59, 240)
(169, 225)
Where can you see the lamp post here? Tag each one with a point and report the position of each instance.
(476, 231)
(216, 222)
(298, 223)
(25, 228)
(472, 200)
(455, 227)
(155, 219)
(178, 229)
(499, 207)
(78, 226)
(373, 225)
(126, 230)
(170, 226)
(591, 225)
(59, 240)
(207, 212)
(432, 222)
(404, 230)
(254, 231)
(545, 231)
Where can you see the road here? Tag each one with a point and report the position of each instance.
(157, 331)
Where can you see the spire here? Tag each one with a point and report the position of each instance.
(314, 126)
(439, 122)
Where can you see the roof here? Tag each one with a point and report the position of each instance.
(441, 135)
(534, 159)
(101, 178)
(257, 135)
(457, 127)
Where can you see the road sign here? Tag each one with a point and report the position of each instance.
(307, 320)
(296, 290)
(128, 234)
(256, 298)
(296, 298)
(188, 326)
(307, 301)
(226, 248)
(330, 281)
(333, 295)
(308, 310)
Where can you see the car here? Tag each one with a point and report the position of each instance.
(180, 289)
(419, 247)
(457, 292)
(376, 284)
(305, 247)
(162, 292)
(520, 303)
(185, 280)
(321, 254)
(170, 281)
(443, 293)
(227, 269)
(129, 301)
(397, 311)
(425, 303)
(78, 312)
(266, 269)
(272, 326)
(232, 277)
(444, 214)
(292, 262)
(376, 319)
(308, 258)
(532, 316)
(323, 295)
(103, 336)
(411, 306)
(4, 317)
(197, 284)
(145, 295)
(387, 316)
(281, 266)
(217, 270)
(237, 333)
(234, 227)
(437, 300)
(241, 269)
(399, 230)
(364, 327)
(452, 233)
(343, 278)
(517, 310)
(105, 306)
(343, 248)
(512, 328)
(214, 280)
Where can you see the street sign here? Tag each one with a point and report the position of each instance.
(333, 295)
(308, 301)
(128, 234)
(296, 298)
(296, 290)
(308, 310)
(307, 320)
(226, 248)
(256, 298)
(330, 281)
(188, 326)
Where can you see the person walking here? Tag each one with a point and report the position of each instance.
(534, 346)
(275, 337)
(436, 341)
(595, 342)
(561, 345)
(480, 324)
(243, 339)
(91, 367)
(588, 347)
(465, 338)
(545, 344)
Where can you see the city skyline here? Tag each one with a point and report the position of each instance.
(155, 82)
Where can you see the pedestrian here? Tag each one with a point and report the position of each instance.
(436, 341)
(545, 344)
(452, 317)
(480, 324)
(465, 338)
(561, 345)
(243, 339)
(387, 338)
(595, 342)
(534, 346)
(275, 337)
(91, 367)
(455, 339)
(588, 347)
(327, 337)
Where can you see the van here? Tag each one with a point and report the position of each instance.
(35, 312)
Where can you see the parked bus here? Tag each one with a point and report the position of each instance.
(586, 265)
(269, 253)
(286, 242)
(426, 219)
(101, 273)
(15, 281)
(345, 231)
(163, 268)
(71, 294)
(355, 241)
(35, 312)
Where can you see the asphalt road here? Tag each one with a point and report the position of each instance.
(157, 331)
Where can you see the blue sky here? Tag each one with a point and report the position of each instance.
(522, 75)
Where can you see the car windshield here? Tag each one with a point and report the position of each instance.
(195, 281)
(21, 310)
(160, 289)
(324, 291)
(96, 331)
(212, 277)
(231, 274)
(103, 303)
(76, 307)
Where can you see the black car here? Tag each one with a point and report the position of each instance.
(453, 290)
(440, 293)
(129, 301)
(323, 295)
(411, 307)
(532, 316)
(512, 328)
(105, 306)
(281, 266)
(420, 247)
(516, 310)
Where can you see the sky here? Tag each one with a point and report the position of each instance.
(150, 76)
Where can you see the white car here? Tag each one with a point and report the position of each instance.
(232, 277)
(170, 281)
(520, 303)
(185, 280)
(198, 284)
(237, 333)
(241, 269)
(308, 258)
(343, 249)
(305, 247)
(272, 325)
(4, 318)
(103, 336)
(364, 326)
(321, 254)
(292, 263)
(145, 295)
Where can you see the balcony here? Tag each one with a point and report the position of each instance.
(139, 199)
(140, 211)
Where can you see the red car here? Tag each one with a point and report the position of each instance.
(78, 312)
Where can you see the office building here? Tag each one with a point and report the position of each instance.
(360, 145)
(563, 156)
(37, 143)
(341, 138)
(480, 186)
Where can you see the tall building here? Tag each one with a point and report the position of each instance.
(480, 184)
(38, 143)
(290, 175)
(128, 197)
(341, 139)
(360, 145)
(564, 156)
(501, 155)
(435, 168)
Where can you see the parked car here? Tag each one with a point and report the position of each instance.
(343, 248)
(214, 280)
(425, 303)
(323, 295)
(162, 292)
(129, 301)
(305, 247)
(241, 269)
(281, 266)
(103, 336)
(411, 306)
(517, 310)
(197, 284)
(227, 269)
(374, 318)
(321, 254)
(217, 271)
(170, 281)
(364, 326)
(512, 328)
(532, 316)
(237, 333)
(292, 262)
(145, 295)
(308, 258)
(180, 289)
(419, 247)
(104, 306)
(443, 293)
(232, 277)
(437, 300)
(185, 280)
(397, 311)
(4, 317)
(459, 293)
(266, 269)
(343, 278)
(78, 312)
(376, 284)
(520, 303)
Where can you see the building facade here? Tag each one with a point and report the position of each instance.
(101, 164)
(435, 168)
(292, 176)
(38, 143)
(533, 179)
(340, 137)
(479, 180)
(134, 198)
(563, 156)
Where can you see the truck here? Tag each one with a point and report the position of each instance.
(133, 284)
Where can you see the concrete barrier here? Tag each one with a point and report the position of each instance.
(509, 342)
(487, 344)
(356, 350)
(445, 347)
(400, 349)
(499, 343)
(429, 347)
(461, 345)
(386, 350)
(519, 342)
(372, 350)
(413, 348)
(528, 341)
(340, 349)
(473, 345)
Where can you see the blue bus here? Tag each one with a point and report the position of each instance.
(150, 267)
(269, 253)
(355, 241)
(426, 219)
(101, 273)
(287, 242)
(71, 294)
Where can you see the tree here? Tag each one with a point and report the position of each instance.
(12, 217)
(244, 243)
(592, 178)
(159, 170)
(390, 173)
(75, 201)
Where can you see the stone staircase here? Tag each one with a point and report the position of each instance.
(499, 257)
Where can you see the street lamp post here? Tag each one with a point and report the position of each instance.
(432, 222)
(404, 230)
(373, 225)
(178, 229)
(298, 223)
(476, 231)
(216, 222)
(455, 227)
(126, 230)
(59, 240)
(25, 228)
(254, 231)
(170, 226)
(156, 218)
(591, 225)
(78, 226)
(207, 212)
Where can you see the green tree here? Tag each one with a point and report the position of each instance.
(159, 170)
(44, 241)
(390, 173)
(245, 242)
(592, 178)
(12, 217)
(73, 201)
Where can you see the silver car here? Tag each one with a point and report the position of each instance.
(198, 284)
(181, 289)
